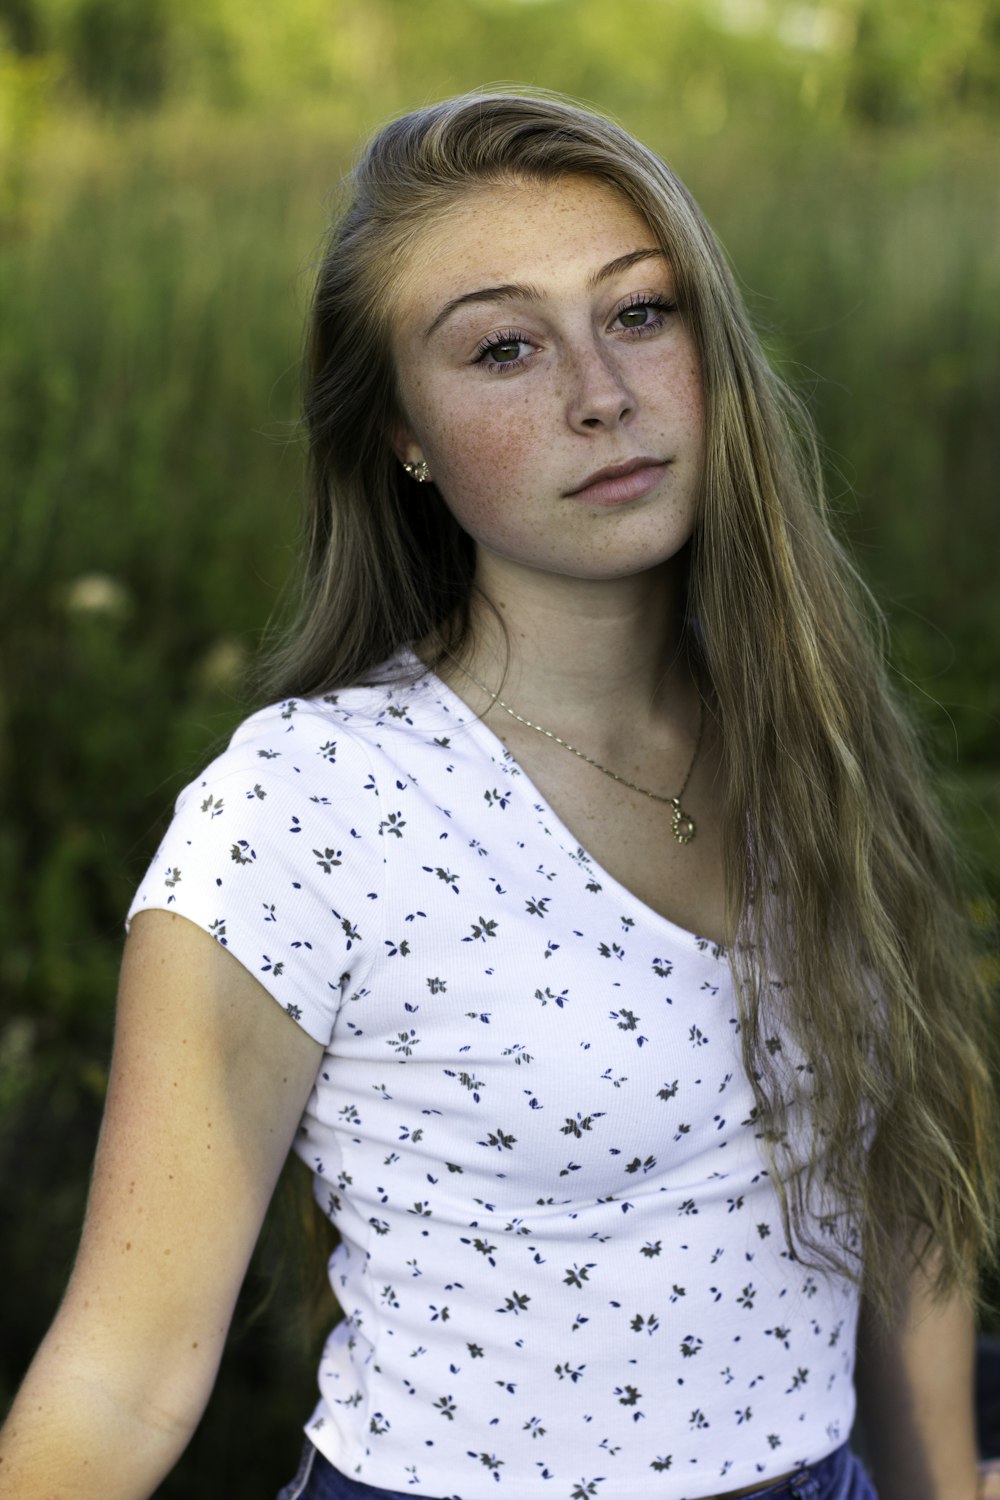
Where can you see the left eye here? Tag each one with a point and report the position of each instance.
(506, 352)
(643, 313)
(635, 317)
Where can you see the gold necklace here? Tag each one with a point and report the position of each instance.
(682, 825)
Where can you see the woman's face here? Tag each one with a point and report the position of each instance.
(537, 346)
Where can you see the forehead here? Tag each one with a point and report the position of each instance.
(531, 232)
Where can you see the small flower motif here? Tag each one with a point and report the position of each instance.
(547, 994)
(582, 1123)
(584, 1488)
(489, 1461)
(328, 859)
(481, 930)
(484, 1247)
(468, 1081)
(500, 1140)
(403, 1042)
(516, 1303)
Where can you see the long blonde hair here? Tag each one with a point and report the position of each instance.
(840, 878)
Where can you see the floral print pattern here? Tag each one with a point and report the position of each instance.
(562, 1265)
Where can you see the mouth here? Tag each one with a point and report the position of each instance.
(619, 483)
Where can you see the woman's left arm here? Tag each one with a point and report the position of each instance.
(916, 1399)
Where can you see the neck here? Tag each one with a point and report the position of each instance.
(602, 657)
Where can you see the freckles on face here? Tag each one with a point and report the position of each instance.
(484, 467)
(537, 344)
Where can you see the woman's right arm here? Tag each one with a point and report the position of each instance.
(208, 1081)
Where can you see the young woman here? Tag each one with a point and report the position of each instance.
(625, 1015)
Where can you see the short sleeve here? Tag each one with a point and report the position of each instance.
(275, 852)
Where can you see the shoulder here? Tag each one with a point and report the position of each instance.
(316, 743)
(286, 826)
(276, 850)
(399, 714)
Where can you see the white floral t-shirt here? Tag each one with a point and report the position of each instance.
(561, 1263)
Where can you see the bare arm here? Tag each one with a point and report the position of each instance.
(208, 1081)
(915, 1393)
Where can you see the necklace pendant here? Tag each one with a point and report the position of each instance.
(681, 825)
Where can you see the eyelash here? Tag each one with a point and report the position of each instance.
(658, 304)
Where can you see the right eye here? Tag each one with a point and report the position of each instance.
(503, 351)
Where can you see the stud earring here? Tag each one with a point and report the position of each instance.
(419, 470)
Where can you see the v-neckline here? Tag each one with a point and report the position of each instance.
(571, 846)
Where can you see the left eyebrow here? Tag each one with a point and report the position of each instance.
(513, 292)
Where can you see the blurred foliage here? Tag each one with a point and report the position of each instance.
(880, 62)
(163, 170)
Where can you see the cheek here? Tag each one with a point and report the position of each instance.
(485, 462)
(687, 390)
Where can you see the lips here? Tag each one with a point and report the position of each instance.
(619, 483)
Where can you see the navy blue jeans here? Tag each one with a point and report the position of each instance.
(838, 1477)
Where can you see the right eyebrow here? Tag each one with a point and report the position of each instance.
(509, 293)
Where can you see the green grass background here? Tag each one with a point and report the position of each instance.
(157, 235)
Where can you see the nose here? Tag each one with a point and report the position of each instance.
(598, 396)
